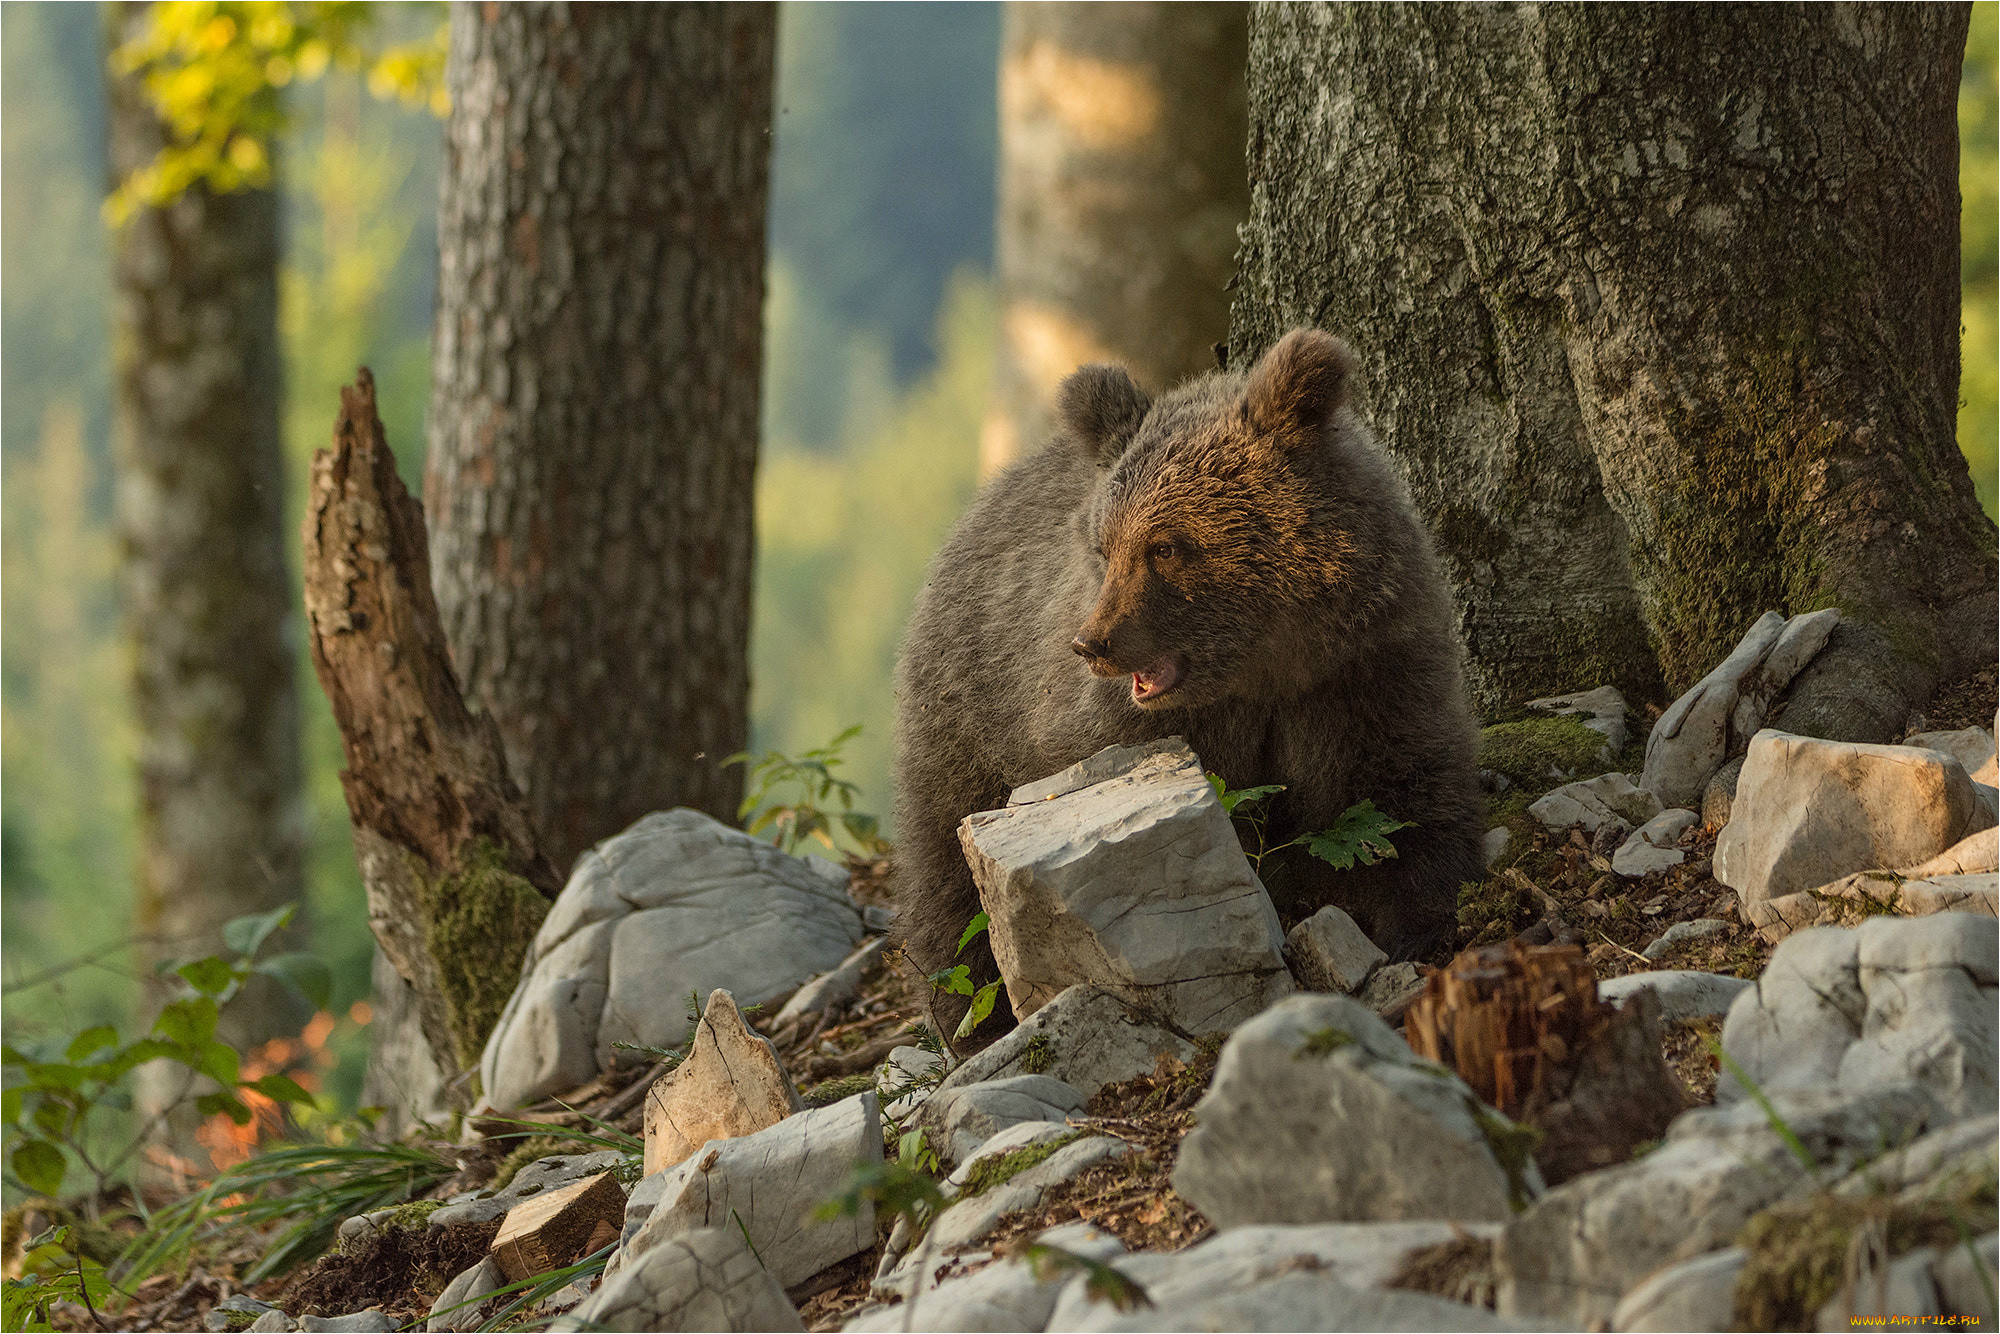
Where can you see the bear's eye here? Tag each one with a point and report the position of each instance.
(1165, 551)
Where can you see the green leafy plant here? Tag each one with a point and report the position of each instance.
(1359, 836)
(811, 813)
(55, 1091)
(52, 1270)
(957, 980)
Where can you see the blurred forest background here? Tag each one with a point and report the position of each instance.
(880, 345)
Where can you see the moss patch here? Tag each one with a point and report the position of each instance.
(1798, 1251)
(1531, 750)
(1004, 1167)
(481, 921)
(834, 1090)
(1038, 1055)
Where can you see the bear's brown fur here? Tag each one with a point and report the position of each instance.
(1236, 563)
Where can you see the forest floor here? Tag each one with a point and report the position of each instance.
(1556, 888)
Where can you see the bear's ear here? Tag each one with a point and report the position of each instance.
(1296, 386)
(1101, 407)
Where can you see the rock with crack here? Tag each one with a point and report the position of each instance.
(1575, 1252)
(1721, 712)
(959, 1119)
(677, 904)
(1328, 952)
(1086, 1037)
(1808, 812)
(1135, 883)
(1003, 1296)
(1011, 1173)
(905, 1081)
(1960, 879)
(731, 1084)
(1895, 1001)
(461, 1306)
(1608, 799)
(769, 1184)
(707, 1278)
(1318, 1113)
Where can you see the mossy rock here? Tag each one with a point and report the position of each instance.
(1537, 754)
(1001, 1168)
(481, 922)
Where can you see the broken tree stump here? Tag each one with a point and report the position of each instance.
(549, 1231)
(1523, 1026)
(456, 879)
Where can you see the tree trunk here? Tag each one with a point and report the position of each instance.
(457, 884)
(1121, 187)
(593, 429)
(203, 579)
(1658, 307)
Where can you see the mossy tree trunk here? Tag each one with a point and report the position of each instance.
(593, 426)
(1121, 188)
(1658, 307)
(457, 883)
(203, 579)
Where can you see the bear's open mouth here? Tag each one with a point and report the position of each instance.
(1156, 680)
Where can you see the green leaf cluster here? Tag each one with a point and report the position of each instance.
(957, 980)
(54, 1089)
(52, 1270)
(810, 813)
(1359, 836)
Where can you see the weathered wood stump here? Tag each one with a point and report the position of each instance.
(549, 1231)
(1523, 1026)
(456, 880)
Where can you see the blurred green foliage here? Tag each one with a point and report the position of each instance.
(214, 69)
(1979, 253)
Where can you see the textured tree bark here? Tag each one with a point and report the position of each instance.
(1121, 187)
(1658, 306)
(593, 428)
(206, 594)
(456, 881)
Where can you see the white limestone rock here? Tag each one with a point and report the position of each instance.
(678, 903)
(830, 991)
(1606, 799)
(458, 1306)
(1584, 1245)
(1238, 1279)
(769, 1184)
(542, 1175)
(1683, 994)
(1697, 1294)
(1318, 1113)
(906, 1080)
(1136, 884)
(1701, 928)
(958, 1120)
(1654, 846)
(707, 1278)
(1003, 1296)
(1808, 812)
(1692, 736)
(1329, 952)
(1894, 1001)
(970, 1217)
(1086, 1037)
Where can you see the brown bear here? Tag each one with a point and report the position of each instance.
(1236, 563)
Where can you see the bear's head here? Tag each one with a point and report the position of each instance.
(1225, 524)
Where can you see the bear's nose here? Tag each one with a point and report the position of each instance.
(1090, 648)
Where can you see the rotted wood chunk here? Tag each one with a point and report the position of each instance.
(549, 1231)
(1524, 1027)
